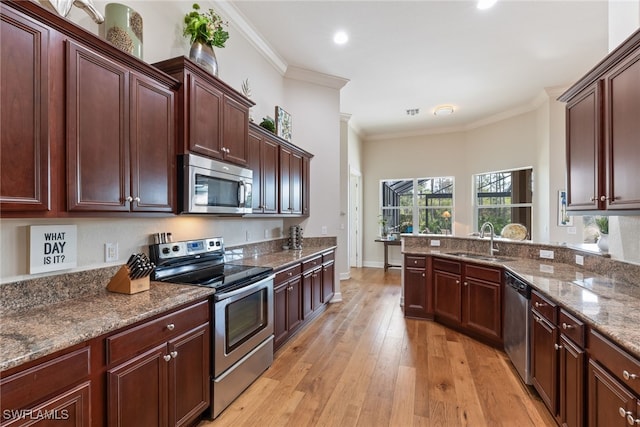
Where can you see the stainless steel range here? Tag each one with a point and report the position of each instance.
(242, 318)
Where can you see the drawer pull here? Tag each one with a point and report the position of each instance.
(540, 304)
(623, 412)
(465, 283)
(174, 354)
(423, 275)
(171, 326)
(290, 273)
(536, 318)
(567, 326)
(631, 421)
(627, 376)
(166, 357)
(457, 282)
(557, 347)
(415, 261)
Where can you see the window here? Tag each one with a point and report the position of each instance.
(503, 198)
(418, 205)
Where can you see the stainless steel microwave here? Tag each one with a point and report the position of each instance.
(212, 187)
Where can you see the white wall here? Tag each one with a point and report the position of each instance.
(316, 122)
(624, 19)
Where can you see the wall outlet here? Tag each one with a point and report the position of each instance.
(111, 252)
(266, 233)
(546, 254)
(323, 230)
(248, 235)
(571, 230)
(579, 260)
(435, 242)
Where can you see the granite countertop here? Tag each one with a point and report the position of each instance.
(30, 333)
(27, 333)
(610, 306)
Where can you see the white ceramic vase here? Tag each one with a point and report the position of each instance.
(603, 243)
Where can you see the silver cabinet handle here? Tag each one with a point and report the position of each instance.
(423, 275)
(290, 273)
(567, 326)
(137, 199)
(557, 347)
(457, 282)
(631, 421)
(465, 283)
(166, 357)
(539, 304)
(174, 354)
(623, 412)
(628, 376)
(171, 326)
(536, 318)
(129, 199)
(415, 261)
(603, 198)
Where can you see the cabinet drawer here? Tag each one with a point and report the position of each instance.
(24, 388)
(311, 264)
(543, 306)
(127, 343)
(328, 256)
(572, 328)
(284, 275)
(483, 273)
(454, 267)
(621, 364)
(415, 261)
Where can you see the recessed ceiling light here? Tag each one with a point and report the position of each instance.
(340, 37)
(443, 110)
(486, 4)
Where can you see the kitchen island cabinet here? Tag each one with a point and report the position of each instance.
(602, 128)
(544, 350)
(417, 291)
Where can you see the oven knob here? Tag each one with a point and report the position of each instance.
(165, 251)
(175, 248)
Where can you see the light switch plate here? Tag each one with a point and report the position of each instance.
(579, 260)
(546, 254)
(435, 243)
(111, 252)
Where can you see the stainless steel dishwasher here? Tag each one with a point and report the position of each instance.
(517, 328)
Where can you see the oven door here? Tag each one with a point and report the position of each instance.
(243, 319)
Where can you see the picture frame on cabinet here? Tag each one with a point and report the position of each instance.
(564, 220)
(283, 123)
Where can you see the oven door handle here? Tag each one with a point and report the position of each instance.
(244, 290)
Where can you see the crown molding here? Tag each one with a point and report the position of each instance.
(322, 79)
(241, 23)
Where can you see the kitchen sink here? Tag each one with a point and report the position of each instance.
(481, 257)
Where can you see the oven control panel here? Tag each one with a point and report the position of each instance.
(188, 248)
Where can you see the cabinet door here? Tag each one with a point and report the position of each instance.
(295, 184)
(254, 163)
(415, 292)
(623, 128)
(269, 176)
(609, 401)
(307, 294)
(137, 390)
(544, 361)
(97, 132)
(572, 374)
(24, 122)
(447, 296)
(189, 376)
(69, 409)
(306, 185)
(285, 180)
(585, 151)
(294, 304)
(205, 118)
(235, 132)
(328, 285)
(482, 311)
(152, 146)
(280, 329)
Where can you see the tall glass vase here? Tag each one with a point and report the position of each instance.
(203, 55)
(123, 28)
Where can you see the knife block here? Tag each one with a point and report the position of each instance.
(123, 284)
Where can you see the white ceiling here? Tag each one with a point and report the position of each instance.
(420, 54)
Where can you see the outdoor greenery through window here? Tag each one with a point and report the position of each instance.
(418, 205)
(503, 198)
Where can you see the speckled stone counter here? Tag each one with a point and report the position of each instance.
(41, 316)
(32, 332)
(607, 300)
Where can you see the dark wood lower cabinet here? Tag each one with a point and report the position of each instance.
(328, 285)
(447, 294)
(482, 308)
(416, 288)
(572, 379)
(609, 401)
(287, 309)
(544, 360)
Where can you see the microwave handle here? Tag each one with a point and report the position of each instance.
(242, 194)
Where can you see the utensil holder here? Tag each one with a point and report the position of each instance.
(123, 284)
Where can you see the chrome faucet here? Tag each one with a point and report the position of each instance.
(492, 249)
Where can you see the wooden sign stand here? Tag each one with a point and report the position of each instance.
(122, 284)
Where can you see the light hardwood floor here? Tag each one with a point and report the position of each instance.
(363, 364)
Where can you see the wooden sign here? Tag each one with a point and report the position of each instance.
(52, 248)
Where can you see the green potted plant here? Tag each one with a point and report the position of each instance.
(383, 222)
(205, 30)
(603, 225)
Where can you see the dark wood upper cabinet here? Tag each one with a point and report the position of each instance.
(290, 181)
(602, 133)
(120, 137)
(24, 141)
(263, 160)
(213, 118)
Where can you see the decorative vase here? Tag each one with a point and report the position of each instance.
(203, 55)
(603, 243)
(123, 28)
